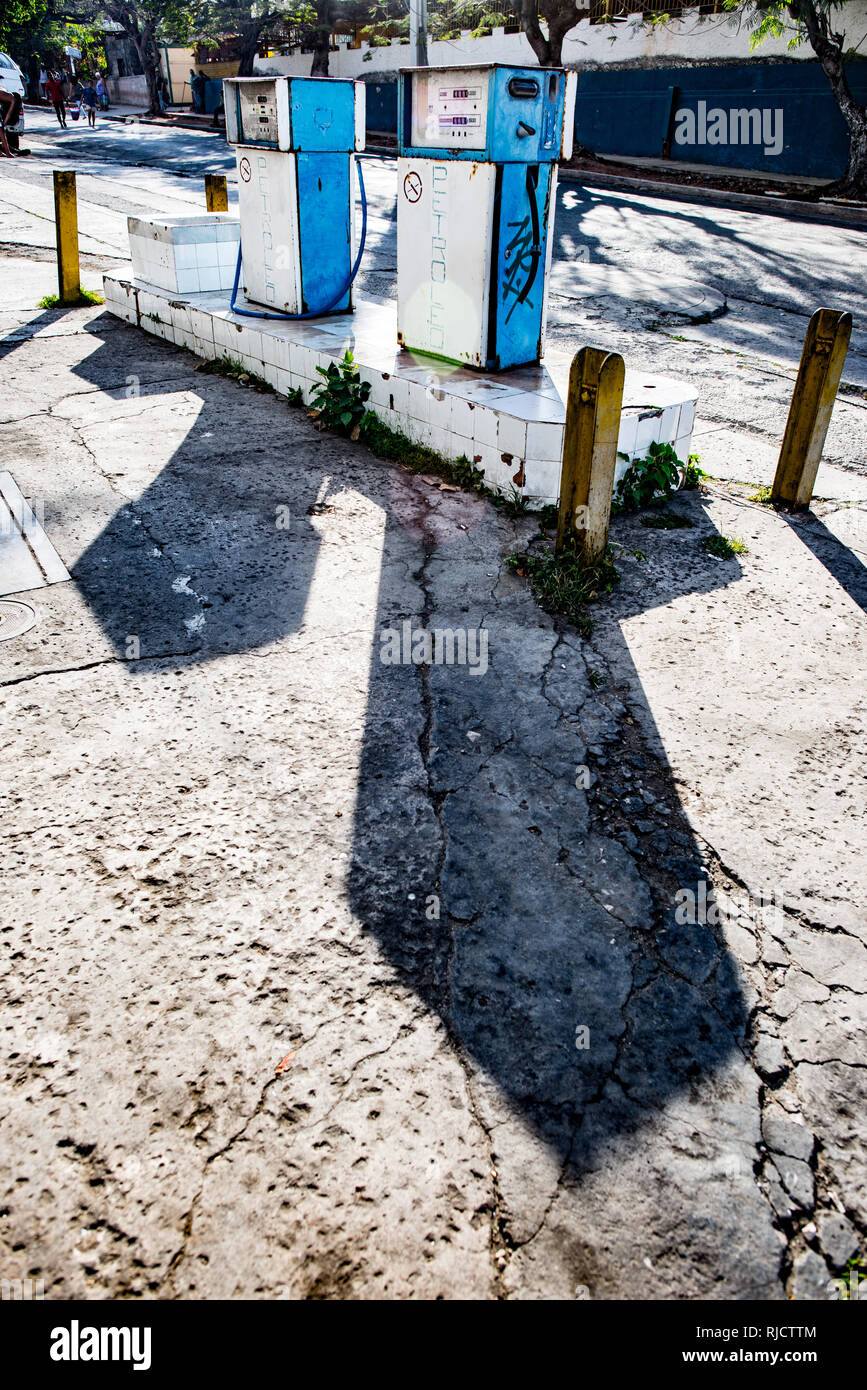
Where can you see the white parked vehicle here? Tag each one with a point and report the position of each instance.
(12, 80)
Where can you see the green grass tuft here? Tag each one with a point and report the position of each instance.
(53, 301)
(762, 496)
(724, 547)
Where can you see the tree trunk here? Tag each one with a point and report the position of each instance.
(145, 46)
(321, 39)
(528, 14)
(249, 49)
(557, 30)
(828, 48)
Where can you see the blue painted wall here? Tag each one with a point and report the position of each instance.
(381, 100)
(627, 112)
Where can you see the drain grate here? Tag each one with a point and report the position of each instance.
(16, 617)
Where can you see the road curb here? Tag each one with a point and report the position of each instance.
(750, 202)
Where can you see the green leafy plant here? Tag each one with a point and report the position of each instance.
(693, 475)
(723, 547)
(645, 480)
(466, 475)
(339, 401)
(53, 301)
(565, 584)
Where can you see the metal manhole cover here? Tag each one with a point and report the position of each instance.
(16, 617)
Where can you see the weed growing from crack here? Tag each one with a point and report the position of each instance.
(762, 496)
(565, 583)
(693, 475)
(53, 301)
(231, 367)
(723, 547)
(462, 473)
(396, 447)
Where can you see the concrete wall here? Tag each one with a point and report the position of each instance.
(128, 91)
(695, 39)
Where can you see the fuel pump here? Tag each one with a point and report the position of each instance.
(477, 170)
(295, 140)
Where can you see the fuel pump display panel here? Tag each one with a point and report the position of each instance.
(257, 109)
(450, 110)
(311, 114)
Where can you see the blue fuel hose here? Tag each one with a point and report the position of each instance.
(311, 313)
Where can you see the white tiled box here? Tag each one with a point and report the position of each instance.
(187, 255)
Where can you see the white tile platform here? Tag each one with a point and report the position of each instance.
(186, 255)
(511, 424)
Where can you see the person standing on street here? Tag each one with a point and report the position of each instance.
(199, 84)
(101, 92)
(88, 102)
(54, 92)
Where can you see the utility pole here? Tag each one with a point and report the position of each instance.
(418, 32)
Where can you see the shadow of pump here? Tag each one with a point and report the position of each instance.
(480, 859)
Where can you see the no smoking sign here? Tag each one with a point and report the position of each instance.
(245, 170)
(412, 187)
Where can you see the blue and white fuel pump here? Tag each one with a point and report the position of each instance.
(477, 172)
(295, 140)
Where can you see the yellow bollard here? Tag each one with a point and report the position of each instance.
(813, 400)
(216, 193)
(66, 227)
(593, 409)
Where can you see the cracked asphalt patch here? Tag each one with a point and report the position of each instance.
(232, 835)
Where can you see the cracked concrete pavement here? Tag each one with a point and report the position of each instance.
(234, 838)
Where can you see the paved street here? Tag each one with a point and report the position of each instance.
(332, 979)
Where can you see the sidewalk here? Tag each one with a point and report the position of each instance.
(180, 116)
(331, 978)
